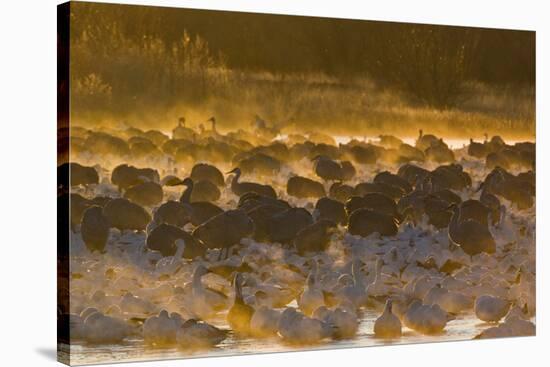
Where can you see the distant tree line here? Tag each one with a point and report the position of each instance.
(428, 63)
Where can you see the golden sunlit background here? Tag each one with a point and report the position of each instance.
(234, 183)
(147, 66)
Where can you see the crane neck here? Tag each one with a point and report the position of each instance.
(186, 196)
(180, 244)
(235, 181)
(454, 220)
(388, 308)
(238, 292)
(197, 283)
(356, 274)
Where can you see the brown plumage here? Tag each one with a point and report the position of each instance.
(94, 229)
(375, 201)
(283, 226)
(163, 239)
(201, 211)
(364, 222)
(224, 230)
(473, 237)
(124, 214)
(314, 238)
(125, 176)
(145, 193)
(302, 187)
(241, 188)
(332, 210)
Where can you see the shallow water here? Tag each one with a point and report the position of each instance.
(464, 327)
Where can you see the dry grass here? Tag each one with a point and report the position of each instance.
(150, 85)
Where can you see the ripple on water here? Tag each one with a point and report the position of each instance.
(463, 328)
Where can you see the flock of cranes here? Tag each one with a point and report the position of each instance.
(421, 228)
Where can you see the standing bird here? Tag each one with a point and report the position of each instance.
(355, 292)
(283, 226)
(473, 237)
(364, 222)
(332, 210)
(202, 300)
(205, 191)
(425, 141)
(341, 192)
(474, 210)
(312, 297)
(315, 237)
(377, 202)
(265, 320)
(212, 120)
(240, 313)
(327, 169)
(125, 176)
(348, 170)
(225, 230)
(303, 187)
(387, 326)
(181, 131)
(207, 172)
(145, 193)
(79, 174)
(390, 141)
(439, 152)
(389, 178)
(241, 188)
(173, 213)
(477, 150)
(164, 238)
(94, 228)
(201, 211)
(124, 214)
